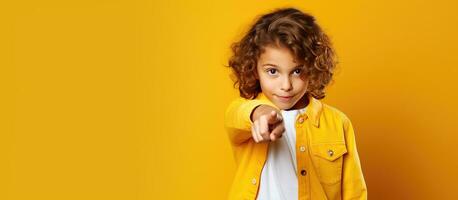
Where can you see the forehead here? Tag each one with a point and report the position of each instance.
(280, 56)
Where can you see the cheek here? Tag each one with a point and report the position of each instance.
(301, 85)
(267, 85)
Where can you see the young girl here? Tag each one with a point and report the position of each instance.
(288, 144)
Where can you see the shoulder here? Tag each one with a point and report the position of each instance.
(335, 113)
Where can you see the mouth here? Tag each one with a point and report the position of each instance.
(284, 98)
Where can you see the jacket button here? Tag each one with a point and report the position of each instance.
(302, 148)
(303, 172)
(301, 120)
(253, 181)
(330, 152)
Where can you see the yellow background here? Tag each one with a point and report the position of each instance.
(125, 99)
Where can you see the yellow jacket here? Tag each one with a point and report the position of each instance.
(327, 159)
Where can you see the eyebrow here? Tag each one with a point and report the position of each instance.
(273, 65)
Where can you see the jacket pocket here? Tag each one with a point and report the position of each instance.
(328, 161)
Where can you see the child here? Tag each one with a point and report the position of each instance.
(288, 144)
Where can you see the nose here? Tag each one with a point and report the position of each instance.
(286, 84)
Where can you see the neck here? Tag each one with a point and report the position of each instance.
(302, 103)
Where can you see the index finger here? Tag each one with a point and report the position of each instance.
(274, 117)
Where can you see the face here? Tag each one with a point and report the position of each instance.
(282, 79)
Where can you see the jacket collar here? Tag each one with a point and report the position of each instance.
(313, 110)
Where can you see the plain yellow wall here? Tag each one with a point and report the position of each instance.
(125, 99)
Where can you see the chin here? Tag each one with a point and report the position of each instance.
(282, 106)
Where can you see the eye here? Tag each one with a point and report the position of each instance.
(297, 71)
(272, 71)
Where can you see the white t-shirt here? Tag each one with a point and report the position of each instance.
(279, 174)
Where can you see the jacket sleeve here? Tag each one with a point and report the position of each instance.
(353, 184)
(237, 118)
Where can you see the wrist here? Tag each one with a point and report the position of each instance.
(252, 115)
(261, 110)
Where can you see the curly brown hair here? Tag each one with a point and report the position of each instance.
(290, 28)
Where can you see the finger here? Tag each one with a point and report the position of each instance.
(253, 134)
(279, 117)
(274, 117)
(277, 132)
(264, 128)
(258, 135)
